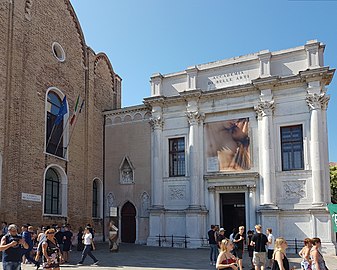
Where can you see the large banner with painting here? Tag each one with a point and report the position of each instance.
(227, 145)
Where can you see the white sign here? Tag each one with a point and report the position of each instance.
(113, 212)
(30, 197)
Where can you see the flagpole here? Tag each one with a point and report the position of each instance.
(72, 131)
(64, 129)
(51, 133)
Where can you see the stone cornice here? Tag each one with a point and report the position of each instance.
(266, 82)
(232, 175)
(324, 74)
(191, 94)
(126, 110)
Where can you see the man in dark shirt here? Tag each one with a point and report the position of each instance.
(259, 241)
(213, 245)
(239, 243)
(13, 246)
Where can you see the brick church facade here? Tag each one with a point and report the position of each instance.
(51, 173)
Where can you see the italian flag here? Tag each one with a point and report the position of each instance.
(72, 120)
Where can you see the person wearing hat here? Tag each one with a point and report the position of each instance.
(13, 246)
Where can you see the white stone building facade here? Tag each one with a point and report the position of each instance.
(241, 141)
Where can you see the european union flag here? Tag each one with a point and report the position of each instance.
(63, 110)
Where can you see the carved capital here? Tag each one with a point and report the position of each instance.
(264, 108)
(211, 189)
(156, 122)
(317, 101)
(195, 117)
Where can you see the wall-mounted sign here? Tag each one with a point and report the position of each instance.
(228, 79)
(30, 197)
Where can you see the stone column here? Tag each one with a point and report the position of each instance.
(251, 201)
(194, 118)
(315, 102)
(156, 161)
(264, 111)
(211, 209)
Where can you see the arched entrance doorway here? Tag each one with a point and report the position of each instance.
(128, 223)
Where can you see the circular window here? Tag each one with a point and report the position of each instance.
(58, 52)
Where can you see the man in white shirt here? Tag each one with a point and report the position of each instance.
(271, 240)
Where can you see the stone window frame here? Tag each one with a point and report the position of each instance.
(65, 130)
(300, 140)
(171, 153)
(58, 52)
(63, 191)
(98, 213)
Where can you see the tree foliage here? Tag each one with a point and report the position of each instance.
(333, 183)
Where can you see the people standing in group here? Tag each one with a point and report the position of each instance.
(259, 241)
(67, 241)
(80, 245)
(41, 237)
(250, 247)
(279, 256)
(27, 236)
(59, 236)
(239, 243)
(220, 237)
(52, 255)
(316, 256)
(226, 260)
(88, 245)
(305, 254)
(270, 244)
(13, 246)
(231, 237)
(213, 245)
(4, 228)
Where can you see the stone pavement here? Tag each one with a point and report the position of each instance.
(135, 257)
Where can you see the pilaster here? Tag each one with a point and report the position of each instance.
(157, 123)
(264, 110)
(156, 84)
(317, 101)
(264, 57)
(191, 74)
(194, 118)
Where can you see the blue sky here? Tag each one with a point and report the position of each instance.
(142, 37)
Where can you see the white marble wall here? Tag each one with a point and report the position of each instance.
(272, 89)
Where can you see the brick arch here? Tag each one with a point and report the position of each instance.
(79, 31)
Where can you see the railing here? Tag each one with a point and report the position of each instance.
(293, 244)
(172, 240)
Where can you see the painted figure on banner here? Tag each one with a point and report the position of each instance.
(227, 145)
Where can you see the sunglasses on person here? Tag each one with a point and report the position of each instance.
(50, 233)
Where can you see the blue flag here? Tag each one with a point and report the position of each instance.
(63, 110)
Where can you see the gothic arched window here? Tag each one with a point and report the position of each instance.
(54, 131)
(52, 195)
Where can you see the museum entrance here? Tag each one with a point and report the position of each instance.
(232, 211)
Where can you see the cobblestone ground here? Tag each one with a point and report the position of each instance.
(135, 257)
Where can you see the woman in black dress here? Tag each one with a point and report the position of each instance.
(280, 258)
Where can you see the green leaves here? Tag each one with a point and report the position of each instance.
(333, 183)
